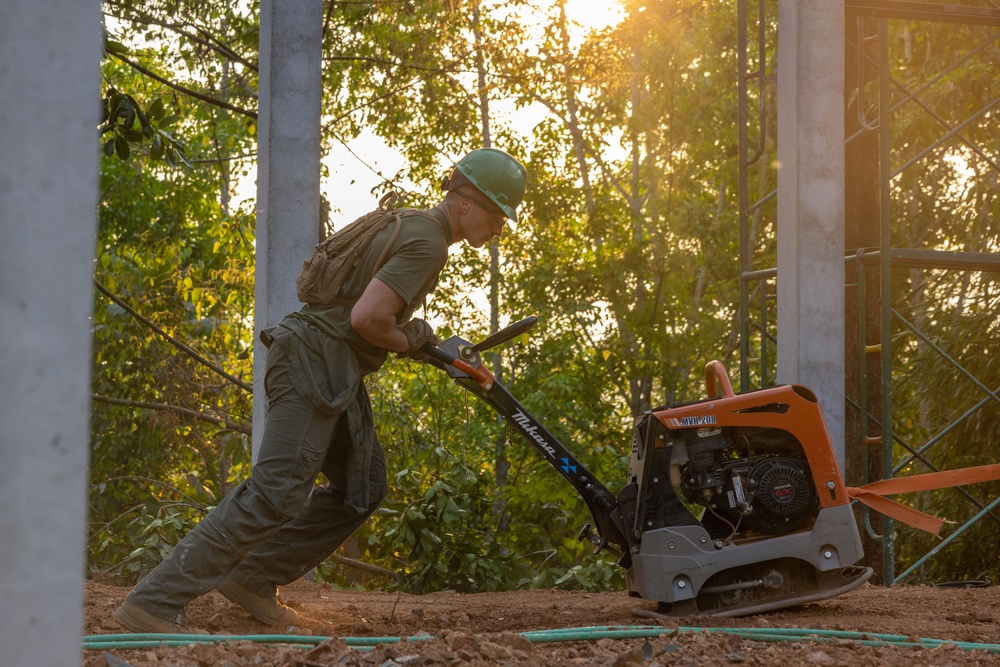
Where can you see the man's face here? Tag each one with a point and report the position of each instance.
(482, 222)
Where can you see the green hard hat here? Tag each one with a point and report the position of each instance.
(498, 175)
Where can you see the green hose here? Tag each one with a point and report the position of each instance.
(136, 641)
(147, 640)
(758, 634)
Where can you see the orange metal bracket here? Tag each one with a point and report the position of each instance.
(478, 373)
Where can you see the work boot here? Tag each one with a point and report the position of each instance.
(137, 619)
(266, 610)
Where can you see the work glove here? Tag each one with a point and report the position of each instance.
(417, 333)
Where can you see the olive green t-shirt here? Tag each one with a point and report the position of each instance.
(418, 254)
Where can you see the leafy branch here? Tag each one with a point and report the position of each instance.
(181, 89)
(173, 341)
(125, 120)
(233, 426)
(203, 38)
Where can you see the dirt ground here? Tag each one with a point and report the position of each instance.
(483, 629)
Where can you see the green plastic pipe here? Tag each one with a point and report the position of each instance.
(136, 641)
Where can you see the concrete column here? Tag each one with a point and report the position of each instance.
(811, 204)
(288, 169)
(49, 91)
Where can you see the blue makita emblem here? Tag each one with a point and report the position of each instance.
(567, 468)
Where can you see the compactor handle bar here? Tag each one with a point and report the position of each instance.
(461, 360)
(507, 333)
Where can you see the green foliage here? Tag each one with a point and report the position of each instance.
(168, 434)
(128, 124)
(638, 262)
(444, 536)
(150, 530)
(445, 524)
(627, 253)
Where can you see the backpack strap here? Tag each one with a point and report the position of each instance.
(388, 201)
(398, 222)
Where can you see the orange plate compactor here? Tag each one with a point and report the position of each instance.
(733, 505)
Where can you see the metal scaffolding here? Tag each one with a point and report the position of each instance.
(879, 95)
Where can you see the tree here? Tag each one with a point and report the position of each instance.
(174, 263)
(635, 237)
(423, 80)
(627, 254)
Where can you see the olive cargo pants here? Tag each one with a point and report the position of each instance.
(277, 525)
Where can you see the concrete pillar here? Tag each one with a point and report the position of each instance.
(811, 204)
(288, 169)
(49, 91)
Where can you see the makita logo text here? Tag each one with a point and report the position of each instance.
(524, 421)
(698, 421)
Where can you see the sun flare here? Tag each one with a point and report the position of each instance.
(595, 14)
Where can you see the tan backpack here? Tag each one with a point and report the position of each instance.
(325, 272)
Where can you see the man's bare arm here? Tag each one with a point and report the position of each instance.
(374, 317)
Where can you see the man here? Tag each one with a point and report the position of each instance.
(278, 525)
